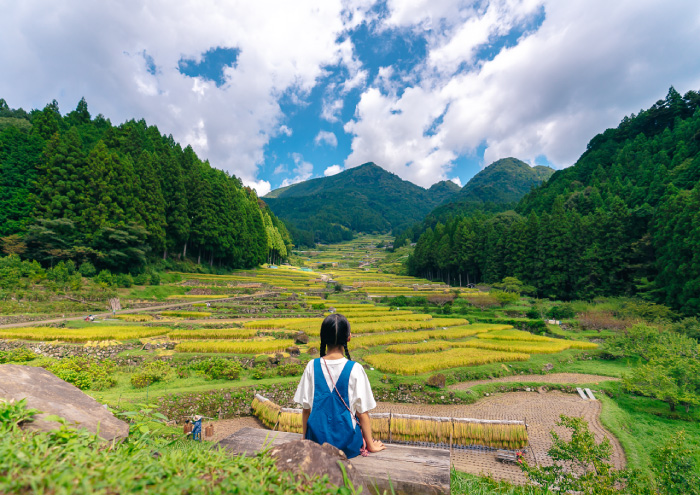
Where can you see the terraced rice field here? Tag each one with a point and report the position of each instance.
(261, 310)
(111, 332)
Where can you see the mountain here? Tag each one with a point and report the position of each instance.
(622, 221)
(504, 181)
(443, 190)
(361, 199)
(497, 187)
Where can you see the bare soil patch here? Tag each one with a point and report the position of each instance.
(540, 410)
(573, 378)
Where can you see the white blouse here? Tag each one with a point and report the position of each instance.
(359, 389)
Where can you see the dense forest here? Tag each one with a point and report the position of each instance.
(78, 188)
(496, 188)
(624, 220)
(362, 199)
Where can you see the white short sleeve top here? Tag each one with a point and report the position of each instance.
(359, 389)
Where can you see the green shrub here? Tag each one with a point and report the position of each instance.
(290, 369)
(259, 372)
(505, 298)
(218, 368)
(561, 312)
(154, 279)
(675, 467)
(172, 278)
(437, 381)
(690, 327)
(85, 372)
(105, 277)
(534, 313)
(155, 371)
(87, 269)
(124, 280)
(19, 355)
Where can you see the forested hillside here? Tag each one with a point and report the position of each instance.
(624, 220)
(77, 188)
(362, 199)
(496, 188)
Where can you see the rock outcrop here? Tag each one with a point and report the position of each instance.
(53, 396)
(304, 457)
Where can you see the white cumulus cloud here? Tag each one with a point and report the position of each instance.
(262, 187)
(332, 170)
(587, 65)
(98, 50)
(326, 137)
(303, 170)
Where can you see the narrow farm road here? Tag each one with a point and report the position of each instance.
(128, 311)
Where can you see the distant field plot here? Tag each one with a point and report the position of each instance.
(197, 296)
(186, 314)
(278, 322)
(461, 331)
(430, 346)
(312, 328)
(458, 332)
(341, 308)
(213, 333)
(379, 312)
(529, 347)
(135, 318)
(111, 332)
(433, 361)
(239, 347)
(515, 335)
(389, 317)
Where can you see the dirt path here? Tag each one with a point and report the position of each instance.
(127, 311)
(540, 410)
(573, 378)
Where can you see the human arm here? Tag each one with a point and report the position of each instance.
(366, 427)
(305, 413)
(305, 394)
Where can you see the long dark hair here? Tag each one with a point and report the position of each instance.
(335, 330)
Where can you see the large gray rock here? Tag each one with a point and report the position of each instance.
(304, 457)
(51, 395)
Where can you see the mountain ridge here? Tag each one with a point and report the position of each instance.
(366, 198)
(498, 187)
(369, 198)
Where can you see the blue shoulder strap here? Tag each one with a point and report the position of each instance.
(320, 385)
(344, 379)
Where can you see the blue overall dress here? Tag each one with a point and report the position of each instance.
(330, 421)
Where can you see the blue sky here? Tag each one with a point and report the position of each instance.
(276, 92)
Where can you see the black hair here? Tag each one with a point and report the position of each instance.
(335, 331)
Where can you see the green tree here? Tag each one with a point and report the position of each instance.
(674, 380)
(580, 465)
(675, 468)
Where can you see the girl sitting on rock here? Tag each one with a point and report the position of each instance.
(336, 395)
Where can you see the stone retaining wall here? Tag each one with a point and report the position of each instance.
(50, 349)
